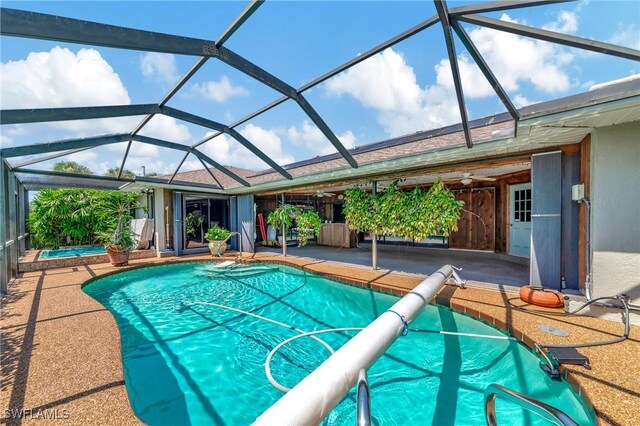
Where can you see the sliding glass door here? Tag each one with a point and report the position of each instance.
(199, 213)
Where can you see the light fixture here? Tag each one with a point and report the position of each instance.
(466, 181)
(340, 197)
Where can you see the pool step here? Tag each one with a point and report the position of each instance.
(224, 264)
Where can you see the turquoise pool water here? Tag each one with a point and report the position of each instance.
(72, 252)
(186, 363)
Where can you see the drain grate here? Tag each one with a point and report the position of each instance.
(552, 329)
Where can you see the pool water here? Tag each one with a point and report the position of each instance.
(188, 363)
(72, 252)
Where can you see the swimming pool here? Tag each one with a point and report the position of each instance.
(72, 252)
(186, 362)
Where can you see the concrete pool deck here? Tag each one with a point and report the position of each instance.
(482, 266)
(61, 349)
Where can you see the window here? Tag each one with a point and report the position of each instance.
(522, 206)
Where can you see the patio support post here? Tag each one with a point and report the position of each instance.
(4, 266)
(374, 237)
(284, 234)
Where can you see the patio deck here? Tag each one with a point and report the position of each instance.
(61, 348)
(486, 267)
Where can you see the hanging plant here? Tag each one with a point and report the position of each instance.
(283, 216)
(308, 223)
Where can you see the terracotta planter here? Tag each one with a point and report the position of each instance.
(217, 247)
(119, 256)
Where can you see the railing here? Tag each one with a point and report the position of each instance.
(228, 238)
(546, 411)
(364, 404)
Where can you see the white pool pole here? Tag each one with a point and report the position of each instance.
(311, 400)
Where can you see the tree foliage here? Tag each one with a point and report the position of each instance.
(126, 173)
(71, 167)
(76, 216)
(308, 223)
(415, 214)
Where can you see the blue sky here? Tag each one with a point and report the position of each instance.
(402, 90)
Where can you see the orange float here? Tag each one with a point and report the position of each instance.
(541, 297)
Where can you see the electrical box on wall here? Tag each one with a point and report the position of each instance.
(577, 192)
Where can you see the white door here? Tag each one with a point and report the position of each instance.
(520, 219)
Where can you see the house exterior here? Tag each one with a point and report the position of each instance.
(563, 196)
(566, 180)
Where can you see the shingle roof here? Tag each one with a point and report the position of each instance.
(416, 143)
(203, 177)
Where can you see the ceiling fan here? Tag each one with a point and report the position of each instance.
(320, 194)
(467, 178)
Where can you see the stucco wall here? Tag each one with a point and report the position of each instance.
(615, 197)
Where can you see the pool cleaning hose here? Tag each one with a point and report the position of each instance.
(312, 334)
(554, 367)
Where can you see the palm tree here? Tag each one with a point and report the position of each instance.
(126, 173)
(71, 167)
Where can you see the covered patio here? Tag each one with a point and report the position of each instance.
(488, 269)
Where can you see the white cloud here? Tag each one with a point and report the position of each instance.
(167, 128)
(159, 66)
(387, 84)
(627, 36)
(519, 101)
(516, 59)
(5, 140)
(474, 83)
(268, 142)
(83, 157)
(310, 137)
(567, 23)
(228, 151)
(218, 91)
(60, 78)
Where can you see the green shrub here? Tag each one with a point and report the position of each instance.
(217, 233)
(75, 216)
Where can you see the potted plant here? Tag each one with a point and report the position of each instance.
(282, 219)
(217, 237)
(119, 239)
(308, 223)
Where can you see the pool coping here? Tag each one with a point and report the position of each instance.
(464, 310)
(490, 320)
(614, 395)
(40, 264)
